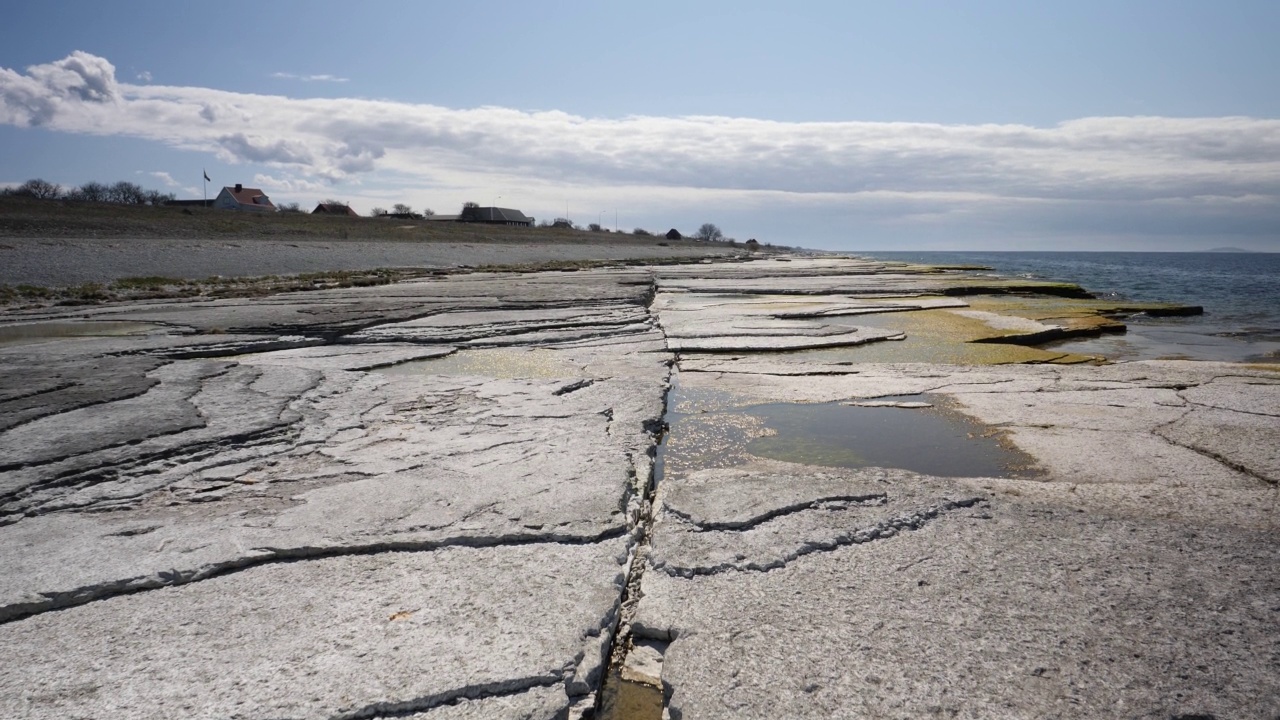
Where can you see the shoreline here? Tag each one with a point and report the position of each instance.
(622, 491)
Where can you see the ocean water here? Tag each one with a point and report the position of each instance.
(1240, 294)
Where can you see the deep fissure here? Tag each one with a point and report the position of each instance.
(621, 636)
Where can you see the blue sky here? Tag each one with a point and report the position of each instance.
(842, 125)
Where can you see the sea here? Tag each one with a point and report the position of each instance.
(1240, 294)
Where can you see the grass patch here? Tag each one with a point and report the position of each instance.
(149, 282)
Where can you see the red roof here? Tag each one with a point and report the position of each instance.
(250, 196)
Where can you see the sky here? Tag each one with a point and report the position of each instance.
(845, 125)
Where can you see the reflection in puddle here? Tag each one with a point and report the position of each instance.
(923, 440)
(43, 331)
(505, 363)
(709, 431)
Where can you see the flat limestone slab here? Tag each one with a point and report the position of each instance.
(1013, 608)
(431, 500)
(270, 524)
(1133, 576)
(352, 636)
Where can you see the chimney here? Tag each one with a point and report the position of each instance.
(239, 187)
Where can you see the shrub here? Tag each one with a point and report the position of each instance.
(149, 282)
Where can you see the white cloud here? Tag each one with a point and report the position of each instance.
(164, 177)
(144, 76)
(1077, 174)
(309, 78)
(288, 184)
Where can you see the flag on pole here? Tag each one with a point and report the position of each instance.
(206, 176)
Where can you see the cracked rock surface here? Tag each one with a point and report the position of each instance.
(305, 518)
(1133, 575)
(446, 498)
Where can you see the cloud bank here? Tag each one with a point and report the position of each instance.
(309, 78)
(1121, 172)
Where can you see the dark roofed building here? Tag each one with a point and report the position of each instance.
(495, 216)
(673, 234)
(334, 209)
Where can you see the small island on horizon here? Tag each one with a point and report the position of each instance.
(1230, 250)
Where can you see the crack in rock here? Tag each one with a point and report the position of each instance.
(260, 556)
(881, 530)
(863, 500)
(453, 696)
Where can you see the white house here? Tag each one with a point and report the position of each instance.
(243, 198)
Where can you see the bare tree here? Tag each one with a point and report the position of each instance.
(39, 189)
(428, 212)
(594, 227)
(401, 209)
(89, 192)
(640, 231)
(290, 207)
(377, 212)
(709, 232)
(127, 193)
(155, 198)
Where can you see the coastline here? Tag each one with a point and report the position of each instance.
(609, 492)
(1240, 320)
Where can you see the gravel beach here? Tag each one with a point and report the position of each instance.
(62, 262)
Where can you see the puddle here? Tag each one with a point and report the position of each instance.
(634, 691)
(44, 331)
(930, 441)
(708, 430)
(504, 363)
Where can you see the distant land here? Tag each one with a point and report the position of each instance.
(1231, 249)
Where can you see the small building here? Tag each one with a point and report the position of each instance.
(495, 216)
(674, 234)
(243, 198)
(334, 209)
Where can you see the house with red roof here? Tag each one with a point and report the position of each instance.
(243, 198)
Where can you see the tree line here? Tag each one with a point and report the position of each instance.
(120, 193)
